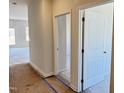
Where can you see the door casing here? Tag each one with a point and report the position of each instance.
(80, 44)
(56, 55)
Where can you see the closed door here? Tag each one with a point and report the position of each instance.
(97, 46)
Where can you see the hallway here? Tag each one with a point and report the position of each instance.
(23, 79)
(18, 55)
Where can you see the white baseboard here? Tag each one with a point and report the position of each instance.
(45, 75)
(74, 88)
(40, 72)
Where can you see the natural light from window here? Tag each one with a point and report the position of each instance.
(27, 34)
(11, 36)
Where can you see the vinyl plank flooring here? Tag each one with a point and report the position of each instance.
(58, 86)
(23, 79)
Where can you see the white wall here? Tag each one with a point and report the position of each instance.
(18, 11)
(40, 26)
(20, 33)
(40, 31)
(60, 6)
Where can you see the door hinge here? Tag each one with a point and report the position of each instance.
(82, 81)
(83, 19)
(82, 50)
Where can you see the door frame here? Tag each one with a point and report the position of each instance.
(80, 59)
(55, 34)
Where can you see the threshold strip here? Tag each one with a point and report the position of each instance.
(50, 86)
(64, 83)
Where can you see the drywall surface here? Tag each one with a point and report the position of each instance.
(20, 33)
(40, 27)
(61, 6)
(40, 13)
(18, 11)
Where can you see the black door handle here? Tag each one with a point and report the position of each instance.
(105, 52)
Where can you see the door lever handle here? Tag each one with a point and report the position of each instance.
(105, 52)
(57, 49)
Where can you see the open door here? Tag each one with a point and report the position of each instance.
(63, 34)
(97, 44)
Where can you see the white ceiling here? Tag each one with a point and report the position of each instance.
(18, 11)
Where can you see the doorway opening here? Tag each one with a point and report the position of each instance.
(63, 47)
(18, 32)
(95, 47)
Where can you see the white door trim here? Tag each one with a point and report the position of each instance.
(55, 34)
(81, 9)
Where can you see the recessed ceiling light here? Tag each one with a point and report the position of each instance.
(14, 3)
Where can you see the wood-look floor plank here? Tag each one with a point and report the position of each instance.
(58, 86)
(23, 79)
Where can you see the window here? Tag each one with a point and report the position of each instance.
(11, 36)
(27, 34)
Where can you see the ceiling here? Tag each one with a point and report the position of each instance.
(18, 10)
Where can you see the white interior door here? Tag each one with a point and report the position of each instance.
(63, 46)
(61, 43)
(97, 46)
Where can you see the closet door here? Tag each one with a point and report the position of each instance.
(94, 36)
